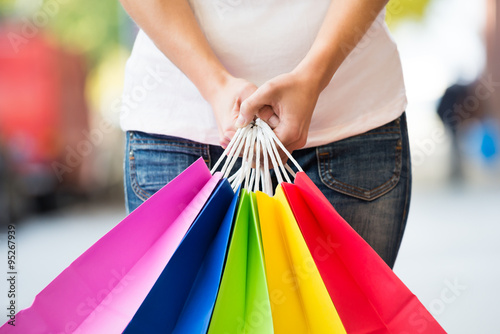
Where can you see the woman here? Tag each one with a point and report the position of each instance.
(325, 75)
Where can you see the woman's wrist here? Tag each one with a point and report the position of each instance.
(311, 77)
(317, 69)
(212, 83)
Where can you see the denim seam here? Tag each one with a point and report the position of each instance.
(139, 192)
(125, 174)
(376, 133)
(201, 149)
(186, 141)
(359, 192)
(206, 154)
(407, 196)
(209, 155)
(354, 191)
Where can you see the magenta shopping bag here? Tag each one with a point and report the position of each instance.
(183, 297)
(103, 288)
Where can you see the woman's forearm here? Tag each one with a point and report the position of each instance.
(343, 27)
(173, 28)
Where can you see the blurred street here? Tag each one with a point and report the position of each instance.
(448, 257)
(450, 253)
(61, 146)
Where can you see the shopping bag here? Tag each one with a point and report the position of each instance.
(299, 300)
(368, 296)
(242, 304)
(103, 288)
(183, 297)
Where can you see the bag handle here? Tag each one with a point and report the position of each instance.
(258, 142)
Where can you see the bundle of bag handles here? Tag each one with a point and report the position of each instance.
(258, 142)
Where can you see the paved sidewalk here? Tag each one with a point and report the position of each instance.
(449, 256)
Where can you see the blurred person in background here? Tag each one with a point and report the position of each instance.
(466, 112)
(450, 115)
(325, 75)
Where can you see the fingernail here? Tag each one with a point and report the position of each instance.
(240, 122)
(273, 121)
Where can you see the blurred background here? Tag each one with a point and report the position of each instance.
(61, 76)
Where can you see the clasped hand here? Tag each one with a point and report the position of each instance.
(285, 102)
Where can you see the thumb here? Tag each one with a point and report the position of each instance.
(251, 106)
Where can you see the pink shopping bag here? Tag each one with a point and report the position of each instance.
(104, 287)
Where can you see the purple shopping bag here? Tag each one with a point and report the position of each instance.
(103, 288)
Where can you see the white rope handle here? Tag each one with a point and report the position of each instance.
(228, 150)
(244, 160)
(247, 159)
(250, 160)
(266, 175)
(258, 142)
(274, 162)
(231, 152)
(229, 164)
(256, 186)
(280, 162)
(267, 129)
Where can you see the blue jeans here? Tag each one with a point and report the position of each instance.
(367, 178)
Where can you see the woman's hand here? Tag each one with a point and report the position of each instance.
(286, 103)
(176, 32)
(293, 96)
(226, 103)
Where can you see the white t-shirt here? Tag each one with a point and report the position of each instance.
(258, 40)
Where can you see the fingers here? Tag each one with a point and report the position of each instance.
(273, 121)
(292, 135)
(226, 138)
(253, 105)
(247, 113)
(268, 115)
(243, 95)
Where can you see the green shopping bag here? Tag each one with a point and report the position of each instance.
(242, 304)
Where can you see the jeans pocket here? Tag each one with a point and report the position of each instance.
(365, 166)
(156, 160)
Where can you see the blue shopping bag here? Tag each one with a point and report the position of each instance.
(183, 297)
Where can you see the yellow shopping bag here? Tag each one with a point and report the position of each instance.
(300, 302)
